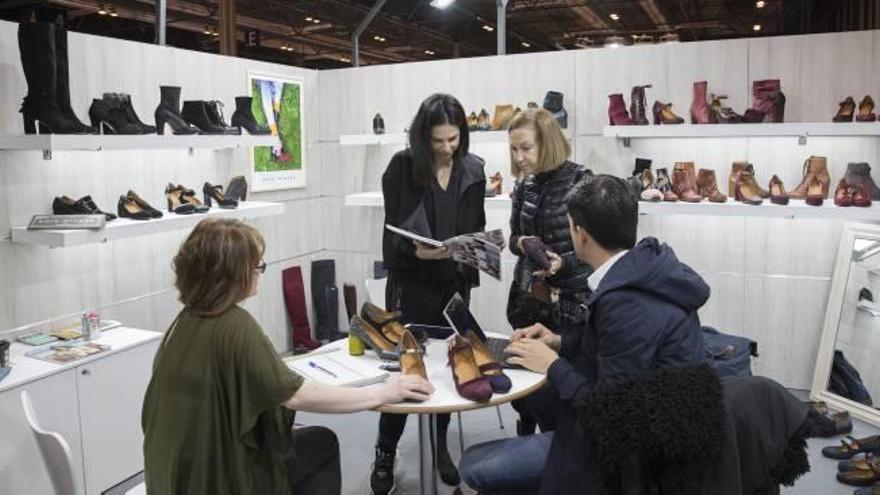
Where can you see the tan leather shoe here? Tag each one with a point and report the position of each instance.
(682, 184)
(707, 186)
(503, 116)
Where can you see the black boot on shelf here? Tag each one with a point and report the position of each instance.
(110, 118)
(123, 100)
(168, 112)
(553, 103)
(243, 117)
(196, 113)
(40, 108)
(237, 189)
(642, 164)
(215, 114)
(62, 78)
(215, 194)
(378, 124)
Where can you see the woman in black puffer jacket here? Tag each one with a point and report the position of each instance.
(549, 282)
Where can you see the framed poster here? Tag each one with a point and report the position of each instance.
(278, 104)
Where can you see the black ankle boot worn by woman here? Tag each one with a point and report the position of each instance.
(168, 112)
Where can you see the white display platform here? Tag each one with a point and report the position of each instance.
(61, 142)
(795, 208)
(27, 369)
(122, 228)
(819, 129)
(401, 138)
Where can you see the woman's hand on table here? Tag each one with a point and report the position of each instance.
(398, 388)
(531, 354)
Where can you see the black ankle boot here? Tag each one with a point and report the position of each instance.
(378, 124)
(109, 118)
(553, 103)
(168, 112)
(445, 466)
(196, 113)
(382, 477)
(237, 189)
(124, 102)
(243, 117)
(215, 114)
(39, 59)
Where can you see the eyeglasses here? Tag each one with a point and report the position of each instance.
(261, 267)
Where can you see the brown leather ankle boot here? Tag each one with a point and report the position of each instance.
(747, 189)
(684, 187)
(637, 105)
(814, 167)
(735, 169)
(707, 186)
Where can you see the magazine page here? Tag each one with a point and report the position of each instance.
(481, 250)
(413, 236)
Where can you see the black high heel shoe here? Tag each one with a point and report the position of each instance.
(243, 117)
(127, 207)
(237, 189)
(188, 196)
(215, 193)
(154, 213)
(168, 112)
(109, 118)
(176, 204)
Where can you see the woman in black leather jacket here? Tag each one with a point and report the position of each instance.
(549, 282)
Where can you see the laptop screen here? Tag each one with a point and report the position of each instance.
(460, 318)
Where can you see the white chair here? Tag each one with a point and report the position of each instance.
(55, 452)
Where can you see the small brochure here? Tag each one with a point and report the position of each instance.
(481, 250)
(337, 369)
(68, 353)
(67, 222)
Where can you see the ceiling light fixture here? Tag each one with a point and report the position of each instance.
(614, 42)
(102, 10)
(207, 30)
(379, 38)
(441, 4)
(488, 28)
(525, 45)
(429, 52)
(760, 4)
(756, 27)
(316, 21)
(308, 19)
(614, 17)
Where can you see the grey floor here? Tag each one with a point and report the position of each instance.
(357, 435)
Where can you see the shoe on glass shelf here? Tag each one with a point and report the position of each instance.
(778, 196)
(866, 110)
(237, 189)
(663, 114)
(846, 111)
(243, 117)
(168, 112)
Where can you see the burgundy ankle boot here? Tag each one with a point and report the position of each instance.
(768, 98)
(637, 105)
(700, 113)
(617, 110)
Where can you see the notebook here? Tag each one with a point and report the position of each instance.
(338, 369)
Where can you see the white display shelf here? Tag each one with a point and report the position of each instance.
(499, 137)
(65, 142)
(795, 208)
(122, 228)
(374, 198)
(800, 130)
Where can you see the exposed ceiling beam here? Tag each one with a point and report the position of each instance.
(653, 10)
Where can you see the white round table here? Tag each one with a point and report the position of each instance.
(444, 400)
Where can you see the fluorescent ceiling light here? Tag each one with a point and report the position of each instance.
(525, 45)
(759, 4)
(441, 4)
(488, 28)
(614, 17)
(429, 52)
(756, 27)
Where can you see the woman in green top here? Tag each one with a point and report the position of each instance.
(218, 411)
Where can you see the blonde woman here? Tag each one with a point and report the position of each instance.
(549, 282)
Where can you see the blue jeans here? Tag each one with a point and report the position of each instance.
(510, 466)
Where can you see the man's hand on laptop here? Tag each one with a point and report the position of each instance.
(538, 332)
(531, 354)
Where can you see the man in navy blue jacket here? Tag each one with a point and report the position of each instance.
(642, 317)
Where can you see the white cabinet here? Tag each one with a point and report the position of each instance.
(111, 393)
(95, 405)
(22, 471)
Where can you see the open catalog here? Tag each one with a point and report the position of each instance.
(481, 250)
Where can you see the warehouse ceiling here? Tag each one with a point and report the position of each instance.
(318, 33)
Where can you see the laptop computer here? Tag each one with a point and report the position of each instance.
(461, 320)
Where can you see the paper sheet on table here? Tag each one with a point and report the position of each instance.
(349, 371)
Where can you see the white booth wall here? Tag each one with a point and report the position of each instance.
(769, 277)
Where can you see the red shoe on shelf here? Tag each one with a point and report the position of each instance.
(617, 114)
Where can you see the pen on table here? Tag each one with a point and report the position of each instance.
(321, 368)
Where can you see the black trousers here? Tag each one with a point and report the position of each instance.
(420, 301)
(315, 470)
